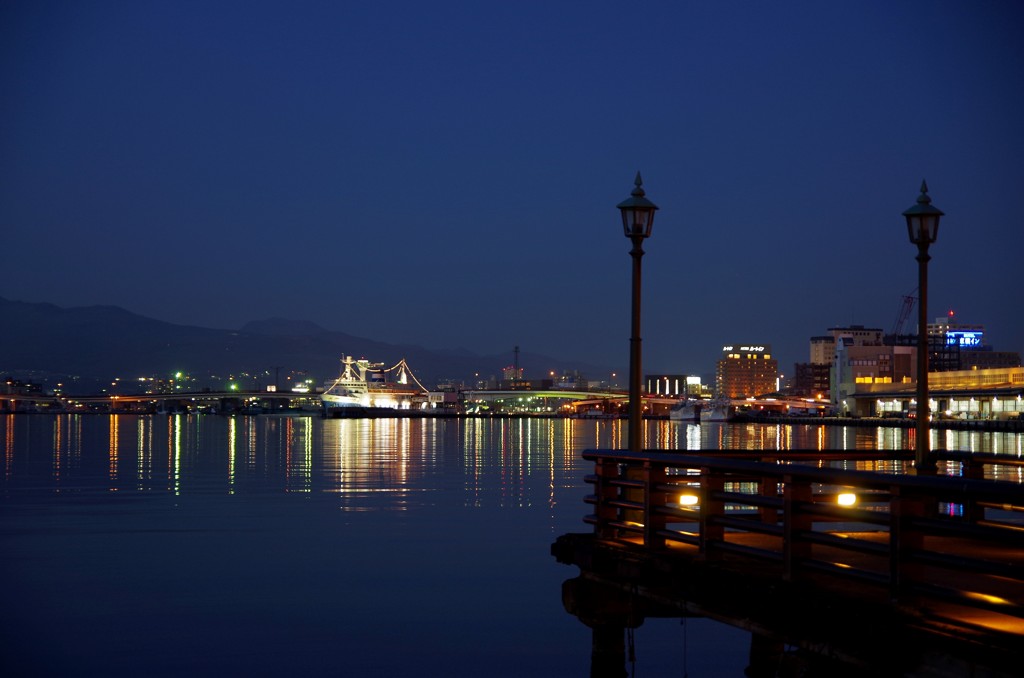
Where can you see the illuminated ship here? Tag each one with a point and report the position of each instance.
(685, 410)
(719, 410)
(363, 388)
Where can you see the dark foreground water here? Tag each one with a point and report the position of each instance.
(263, 546)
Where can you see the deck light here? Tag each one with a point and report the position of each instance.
(846, 499)
(688, 500)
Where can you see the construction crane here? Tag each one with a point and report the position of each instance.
(905, 309)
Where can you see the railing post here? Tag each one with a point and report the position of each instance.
(905, 539)
(973, 513)
(654, 522)
(607, 469)
(795, 520)
(711, 531)
(769, 490)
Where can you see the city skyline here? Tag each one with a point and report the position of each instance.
(115, 344)
(447, 175)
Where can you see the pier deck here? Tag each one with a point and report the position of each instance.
(923, 577)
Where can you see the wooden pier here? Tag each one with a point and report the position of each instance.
(919, 576)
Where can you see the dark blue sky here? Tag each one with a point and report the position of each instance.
(446, 173)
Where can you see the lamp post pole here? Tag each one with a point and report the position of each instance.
(923, 227)
(635, 359)
(637, 218)
(922, 454)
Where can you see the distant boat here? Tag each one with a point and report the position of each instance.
(719, 410)
(363, 389)
(594, 413)
(685, 410)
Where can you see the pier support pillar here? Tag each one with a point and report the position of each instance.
(608, 612)
(765, 656)
(608, 651)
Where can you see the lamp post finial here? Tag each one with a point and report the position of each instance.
(924, 198)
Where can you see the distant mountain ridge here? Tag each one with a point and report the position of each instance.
(284, 327)
(42, 341)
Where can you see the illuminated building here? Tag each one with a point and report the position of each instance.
(823, 349)
(965, 336)
(823, 354)
(746, 370)
(673, 385)
(958, 346)
(512, 373)
(868, 364)
(861, 336)
(962, 394)
(875, 375)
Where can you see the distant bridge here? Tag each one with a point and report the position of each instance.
(489, 394)
(652, 402)
(579, 399)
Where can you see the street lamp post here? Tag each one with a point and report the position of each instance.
(923, 227)
(637, 217)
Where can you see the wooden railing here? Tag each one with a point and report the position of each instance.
(954, 539)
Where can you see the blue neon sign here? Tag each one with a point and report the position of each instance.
(963, 338)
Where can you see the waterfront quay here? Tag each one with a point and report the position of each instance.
(308, 404)
(834, 571)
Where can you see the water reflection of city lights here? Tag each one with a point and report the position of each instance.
(113, 451)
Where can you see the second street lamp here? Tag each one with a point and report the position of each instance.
(637, 218)
(923, 228)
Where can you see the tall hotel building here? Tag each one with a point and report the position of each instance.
(746, 370)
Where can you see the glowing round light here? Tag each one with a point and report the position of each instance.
(688, 500)
(846, 499)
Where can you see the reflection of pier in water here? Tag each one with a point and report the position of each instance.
(922, 576)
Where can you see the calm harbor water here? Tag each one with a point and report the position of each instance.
(208, 545)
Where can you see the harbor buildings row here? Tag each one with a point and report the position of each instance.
(865, 373)
(860, 371)
(744, 370)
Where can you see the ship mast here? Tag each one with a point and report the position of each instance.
(348, 362)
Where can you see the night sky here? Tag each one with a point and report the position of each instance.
(446, 173)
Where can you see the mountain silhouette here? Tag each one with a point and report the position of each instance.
(84, 347)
